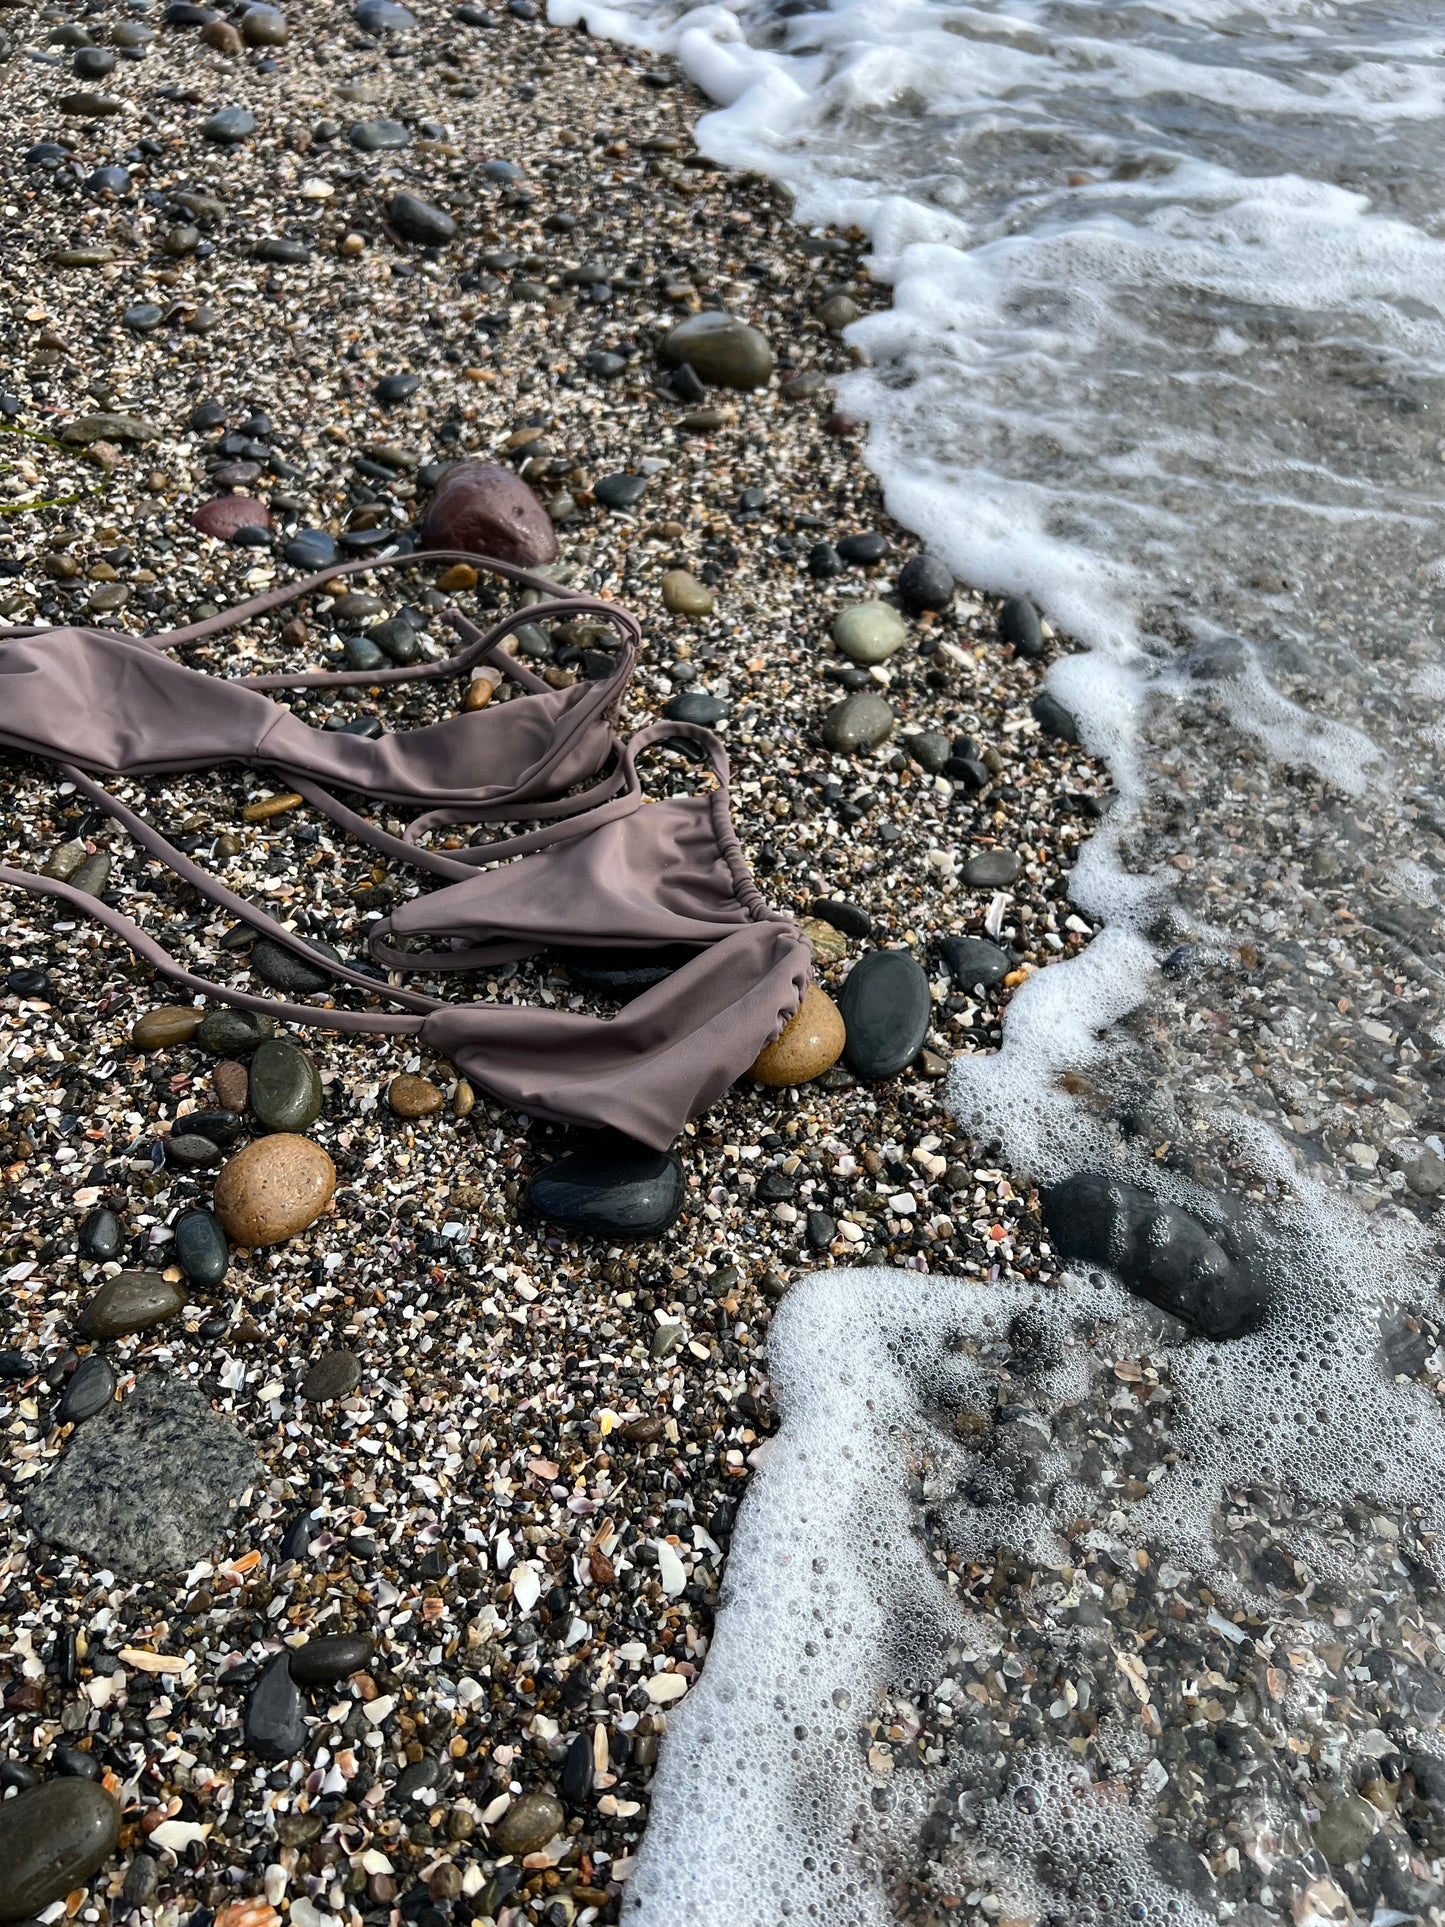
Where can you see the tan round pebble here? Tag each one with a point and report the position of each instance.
(273, 1189)
(170, 1024)
(529, 1823)
(811, 1041)
(414, 1096)
(232, 1084)
(464, 1099)
(684, 595)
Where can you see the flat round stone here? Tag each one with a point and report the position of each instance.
(414, 1096)
(52, 1839)
(201, 1248)
(529, 1823)
(924, 583)
(991, 869)
(101, 1235)
(132, 1301)
(229, 125)
(1019, 622)
(224, 515)
(611, 1187)
(859, 721)
(334, 1375)
(810, 1043)
(233, 1033)
(285, 1091)
(88, 1390)
(311, 549)
(684, 595)
(721, 349)
(274, 1189)
(869, 632)
(332, 1657)
(886, 1009)
(169, 1024)
(973, 962)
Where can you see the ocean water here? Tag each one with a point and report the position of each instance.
(1043, 1610)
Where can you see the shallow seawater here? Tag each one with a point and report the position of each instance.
(1045, 1609)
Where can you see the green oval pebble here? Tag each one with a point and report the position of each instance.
(285, 1093)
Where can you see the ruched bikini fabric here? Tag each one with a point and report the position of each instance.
(605, 866)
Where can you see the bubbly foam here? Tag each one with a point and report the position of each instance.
(1039, 1611)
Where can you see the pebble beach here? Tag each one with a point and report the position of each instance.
(265, 278)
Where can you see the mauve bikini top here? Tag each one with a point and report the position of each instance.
(606, 867)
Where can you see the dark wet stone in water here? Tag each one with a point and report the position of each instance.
(89, 1389)
(100, 1235)
(275, 1721)
(311, 549)
(862, 551)
(396, 388)
(991, 869)
(148, 1486)
(1019, 621)
(383, 16)
(621, 491)
(335, 1656)
(375, 136)
(924, 583)
(623, 973)
(1054, 720)
(233, 1033)
(720, 349)
(610, 1186)
(334, 1375)
(144, 318)
(52, 1839)
(201, 1247)
(860, 721)
(971, 962)
(886, 1009)
(132, 1301)
(285, 1086)
(420, 221)
(282, 969)
(695, 706)
(228, 125)
(846, 917)
(189, 1151)
(1159, 1251)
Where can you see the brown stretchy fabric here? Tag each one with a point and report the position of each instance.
(606, 868)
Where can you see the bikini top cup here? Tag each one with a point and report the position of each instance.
(608, 867)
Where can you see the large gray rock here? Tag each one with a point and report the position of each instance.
(148, 1486)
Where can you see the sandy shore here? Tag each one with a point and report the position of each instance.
(526, 1502)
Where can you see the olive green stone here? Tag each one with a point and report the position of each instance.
(529, 1823)
(684, 595)
(52, 1839)
(132, 1301)
(836, 313)
(720, 349)
(233, 1033)
(64, 860)
(285, 1091)
(869, 632)
(93, 875)
(860, 721)
(170, 1024)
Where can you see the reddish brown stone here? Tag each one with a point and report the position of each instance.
(487, 510)
(224, 514)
